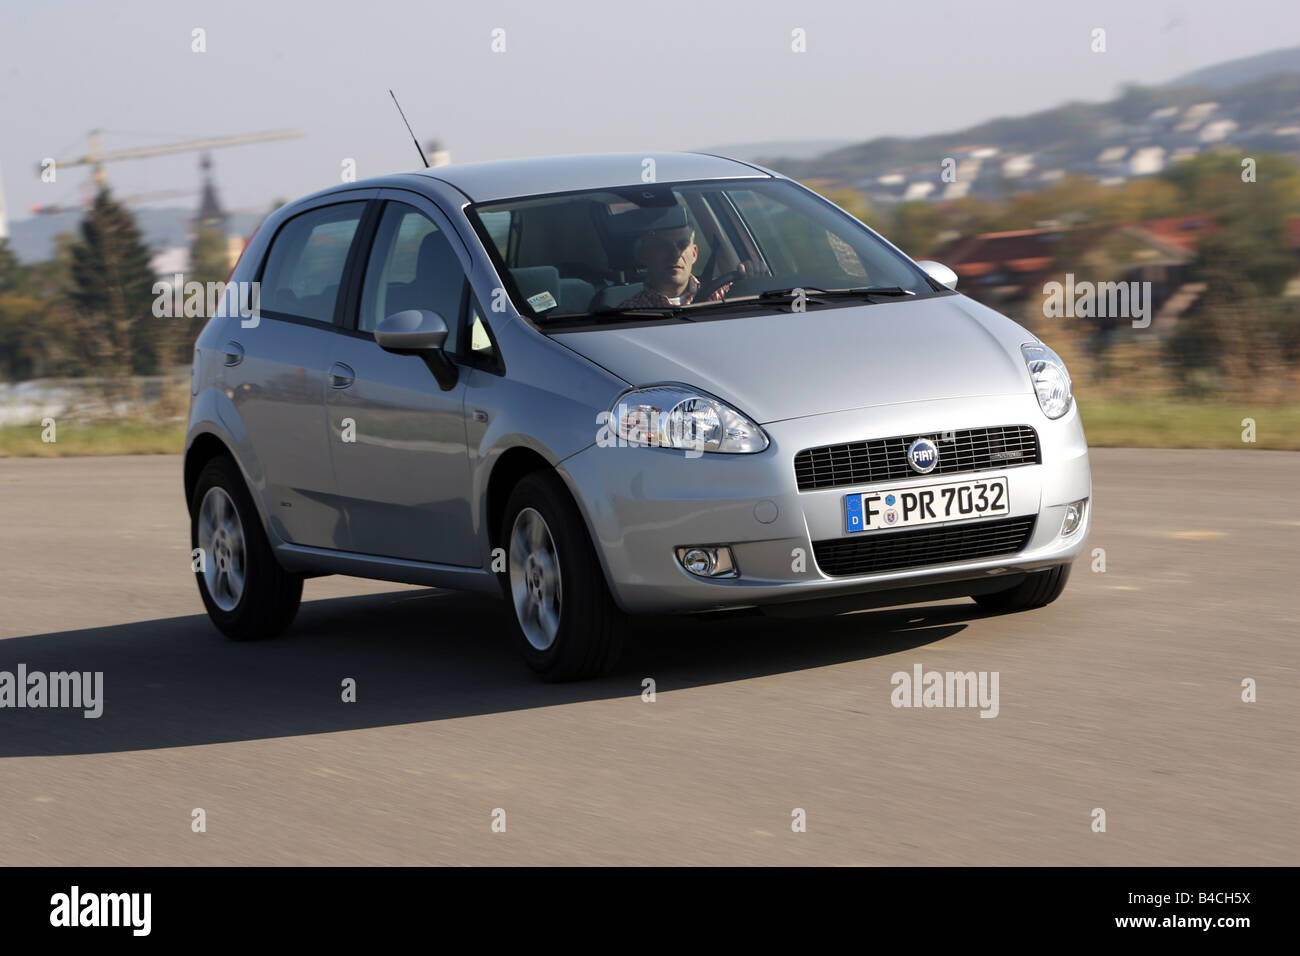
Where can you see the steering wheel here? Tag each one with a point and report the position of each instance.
(707, 290)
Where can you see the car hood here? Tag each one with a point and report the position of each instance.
(790, 365)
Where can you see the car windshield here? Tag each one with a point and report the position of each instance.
(682, 249)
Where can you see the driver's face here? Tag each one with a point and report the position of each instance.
(668, 258)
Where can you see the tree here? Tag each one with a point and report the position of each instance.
(28, 331)
(112, 291)
(11, 270)
(209, 258)
(209, 262)
(916, 228)
(850, 200)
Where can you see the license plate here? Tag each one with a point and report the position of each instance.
(926, 504)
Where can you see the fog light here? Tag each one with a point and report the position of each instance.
(707, 561)
(1073, 517)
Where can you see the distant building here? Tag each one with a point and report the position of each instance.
(1291, 233)
(1016, 166)
(1194, 116)
(1008, 270)
(211, 215)
(168, 262)
(437, 153)
(235, 247)
(1216, 131)
(1147, 161)
(1181, 232)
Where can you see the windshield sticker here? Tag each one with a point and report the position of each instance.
(542, 301)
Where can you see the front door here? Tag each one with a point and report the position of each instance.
(397, 439)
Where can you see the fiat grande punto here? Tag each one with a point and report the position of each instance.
(608, 386)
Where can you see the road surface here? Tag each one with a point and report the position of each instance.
(1123, 696)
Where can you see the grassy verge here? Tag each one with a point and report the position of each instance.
(1109, 423)
(108, 438)
(1165, 424)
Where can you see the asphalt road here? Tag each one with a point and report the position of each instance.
(1124, 695)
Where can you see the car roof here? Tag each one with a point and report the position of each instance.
(514, 178)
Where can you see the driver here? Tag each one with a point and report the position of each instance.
(668, 256)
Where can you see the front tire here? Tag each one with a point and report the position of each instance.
(248, 595)
(1036, 590)
(565, 620)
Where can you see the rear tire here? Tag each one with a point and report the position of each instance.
(248, 595)
(565, 620)
(1037, 590)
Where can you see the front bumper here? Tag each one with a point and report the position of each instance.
(642, 503)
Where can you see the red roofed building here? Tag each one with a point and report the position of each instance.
(1184, 232)
(1008, 270)
(1291, 233)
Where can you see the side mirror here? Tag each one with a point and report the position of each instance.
(412, 331)
(423, 333)
(939, 272)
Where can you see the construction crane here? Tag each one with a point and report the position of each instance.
(96, 157)
(54, 209)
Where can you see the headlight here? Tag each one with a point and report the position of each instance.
(1051, 380)
(673, 416)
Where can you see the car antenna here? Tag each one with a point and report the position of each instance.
(423, 158)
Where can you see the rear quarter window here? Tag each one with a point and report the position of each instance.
(304, 267)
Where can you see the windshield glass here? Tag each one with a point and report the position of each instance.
(682, 248)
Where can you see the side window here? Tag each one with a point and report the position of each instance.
(498, 226)
(481, 349)
(761, 215)
(705, 247)
(412, 266)
(305, 265)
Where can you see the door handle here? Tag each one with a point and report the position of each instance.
(234, 353)
(341, 376)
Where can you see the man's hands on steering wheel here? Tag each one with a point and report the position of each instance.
(745, 270)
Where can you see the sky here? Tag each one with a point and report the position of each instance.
(574, 76)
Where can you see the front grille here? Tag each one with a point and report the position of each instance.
(885, 459)
(895, 550)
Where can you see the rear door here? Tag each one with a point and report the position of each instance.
(275, 370)
(397, 439)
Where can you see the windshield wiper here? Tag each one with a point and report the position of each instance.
(639, 312)
(812, 293)
(874, 290)
(822, 293)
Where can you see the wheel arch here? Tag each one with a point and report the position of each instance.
(205, 447)
(513, 466)
(509, 469)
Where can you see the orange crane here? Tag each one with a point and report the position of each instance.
(95, 158)
(54, 209)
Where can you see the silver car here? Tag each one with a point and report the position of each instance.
(606, 386)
